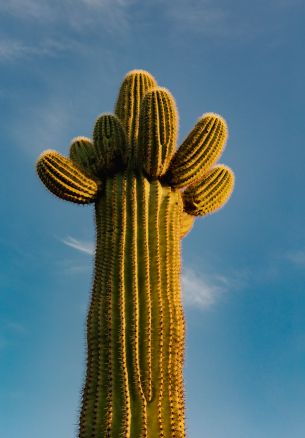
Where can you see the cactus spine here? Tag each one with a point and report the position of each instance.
(135, 325)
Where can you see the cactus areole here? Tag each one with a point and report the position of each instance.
(147, 194)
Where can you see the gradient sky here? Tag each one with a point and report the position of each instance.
(61, 63)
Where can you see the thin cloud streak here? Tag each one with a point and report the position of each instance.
(11, 49)
(85, 247)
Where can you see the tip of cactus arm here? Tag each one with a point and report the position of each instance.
(231, 189)
(43, 154)
(226, 167)
(219, 117)
(105, 113)
(47, 151)
(138, 71)
(203, 203)
(79, 138)
(212, 114)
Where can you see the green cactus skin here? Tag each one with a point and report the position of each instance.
(202, 147)
(210, 193)
(135, 326)
(63, 178)
(110, 143)
(158, 131)
(82, 153)
(135, 320)
(134, 87)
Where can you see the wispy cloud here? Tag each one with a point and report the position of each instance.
(42, 126)
(16, 327)
(12, 49)
(296, 257)
(36, 9)
(86, 247)
(218, 19)
(63, 26)
(202, 291)
(112, 15)
(78, 14)
(71, 266)
(204, 17)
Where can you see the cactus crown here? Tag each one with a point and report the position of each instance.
(141, 136)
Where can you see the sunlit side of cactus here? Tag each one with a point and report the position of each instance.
(135, 326)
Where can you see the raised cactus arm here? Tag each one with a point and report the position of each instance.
(199, 151)
(157, 131)
(135, 326)
(134, 87)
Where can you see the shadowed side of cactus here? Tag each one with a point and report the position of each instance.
(135, 326)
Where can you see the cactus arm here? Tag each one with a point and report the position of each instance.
(157, 131)
(110, 143)
(64, 179)
(211, 193)
(108, 151)
(187, 222)
(82, 153)
(199, 151)
(134, 87)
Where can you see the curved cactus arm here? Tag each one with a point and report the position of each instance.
(158, 128)
(64, 179)
(199, 151)
(211, 193)
(187, 222)
(135, 85)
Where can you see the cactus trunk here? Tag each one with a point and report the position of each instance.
(134, 384)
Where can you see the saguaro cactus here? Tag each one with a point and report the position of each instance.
(146, 197)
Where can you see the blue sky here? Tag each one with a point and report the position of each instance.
(61, 63)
